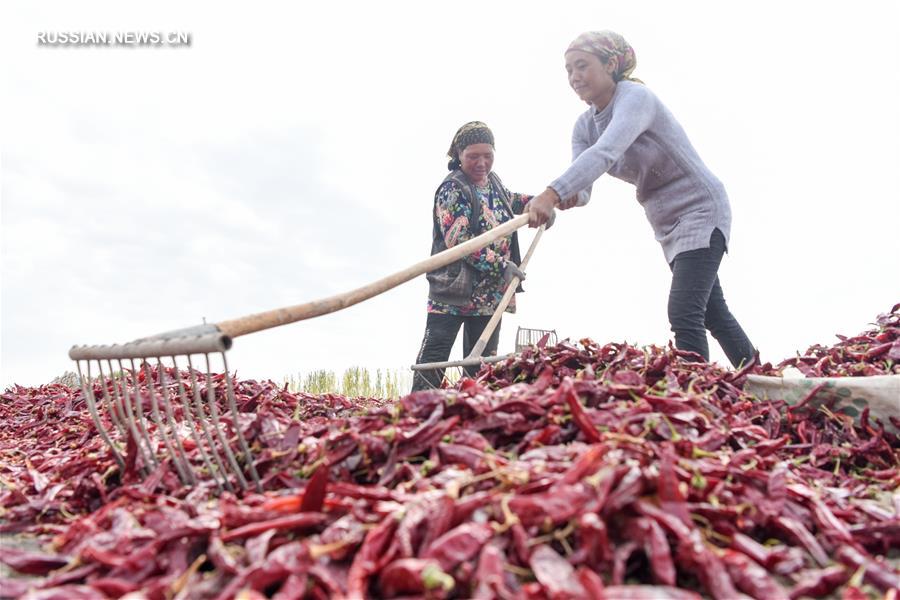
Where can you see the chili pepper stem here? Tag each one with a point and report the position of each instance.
(558, 535)
(317, 551)
(509, 517)
(518, 571)
(179, 584)
(676, 437)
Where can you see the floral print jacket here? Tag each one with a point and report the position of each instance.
(453, 214)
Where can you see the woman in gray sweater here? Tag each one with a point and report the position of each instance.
(628, 133)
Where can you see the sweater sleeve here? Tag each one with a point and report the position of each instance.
(632, 115)
(454, 214)
(580, 143)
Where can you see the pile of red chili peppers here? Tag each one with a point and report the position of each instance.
(874, 352)
(573, 471)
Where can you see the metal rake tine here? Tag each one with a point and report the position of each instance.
(160, 427)
(87, 389)
(217, 424)
(154, 412)
(161, 369)
(125, 408)
(151, 453)
(188, 412)
(201, 417)
(232, 405)
(110, 408)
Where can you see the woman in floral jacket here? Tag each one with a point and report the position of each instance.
(470, 201)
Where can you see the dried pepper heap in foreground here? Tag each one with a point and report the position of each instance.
(577, 471)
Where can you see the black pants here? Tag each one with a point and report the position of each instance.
(440, 333)
(696, 303)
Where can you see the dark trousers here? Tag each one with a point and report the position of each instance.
(440, 333)
(696, 303)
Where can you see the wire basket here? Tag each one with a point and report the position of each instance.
(530, 337)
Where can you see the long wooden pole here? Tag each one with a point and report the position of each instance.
(479, 346)
(290, 314)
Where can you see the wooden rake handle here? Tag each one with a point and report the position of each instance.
(479, 346)
(291, 314)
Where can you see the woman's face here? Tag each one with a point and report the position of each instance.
(590, 77)
(476, 161)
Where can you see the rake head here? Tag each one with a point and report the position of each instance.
(150, 413)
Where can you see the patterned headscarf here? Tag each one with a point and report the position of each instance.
(473, 132)
(607, 44)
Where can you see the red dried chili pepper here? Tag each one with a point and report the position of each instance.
(708, 567)
(752, 578)
(594, 541)
(879, 575)
(822, 582)
(567, 393)
(490, 574)
(668, 489)
(804, 537)
(413, 576)
(555, 574)
(314, 494)
(586, 464)
(459, 544)
(374, 550)
(557, 505)
(296, 521)
(650, 535)
(647, 592)
(776, 493)
(591, 582)
(30, 563)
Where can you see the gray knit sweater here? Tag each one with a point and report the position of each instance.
(636, 139)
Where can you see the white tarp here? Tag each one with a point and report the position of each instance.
(848, 395)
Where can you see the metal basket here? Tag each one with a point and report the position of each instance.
(529, 337)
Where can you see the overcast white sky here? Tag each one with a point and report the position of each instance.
(292, 153)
